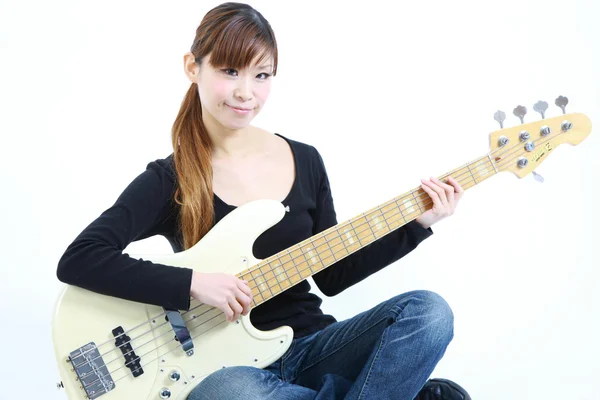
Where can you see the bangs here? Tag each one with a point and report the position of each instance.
(240, 43)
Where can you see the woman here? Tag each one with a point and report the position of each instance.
(220, 162)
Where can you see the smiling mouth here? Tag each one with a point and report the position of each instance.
(239, 109)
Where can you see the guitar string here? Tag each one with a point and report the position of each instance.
(219, 313)
(170, 341)
(333, 253)
(201, 333)
(250, 271)
(303, 255)
(377, 209)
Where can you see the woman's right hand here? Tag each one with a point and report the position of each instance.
(226, 292)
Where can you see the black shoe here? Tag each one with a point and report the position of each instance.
(442, 389)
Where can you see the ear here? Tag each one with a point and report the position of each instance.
(190, 67)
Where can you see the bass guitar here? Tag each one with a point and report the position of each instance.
(116, 349)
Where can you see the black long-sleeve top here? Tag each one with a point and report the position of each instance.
(95, 259)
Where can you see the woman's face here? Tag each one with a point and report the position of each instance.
(234, 97)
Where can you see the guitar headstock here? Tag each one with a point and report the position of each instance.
(521, 149)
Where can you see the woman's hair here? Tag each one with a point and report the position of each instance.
(233, 34)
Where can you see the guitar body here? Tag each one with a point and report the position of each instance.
(82, 317)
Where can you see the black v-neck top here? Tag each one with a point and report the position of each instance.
(95, 259)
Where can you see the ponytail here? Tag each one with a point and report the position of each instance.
(192, 156)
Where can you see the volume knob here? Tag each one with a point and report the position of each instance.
(174, 375)
(164, 393)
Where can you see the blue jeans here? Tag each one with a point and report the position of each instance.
(387, 352)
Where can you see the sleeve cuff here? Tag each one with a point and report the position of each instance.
(418, 230)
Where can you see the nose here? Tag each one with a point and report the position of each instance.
(243, 91)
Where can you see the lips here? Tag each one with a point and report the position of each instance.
(238, 108)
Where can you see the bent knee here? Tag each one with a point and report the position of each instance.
(435, 312)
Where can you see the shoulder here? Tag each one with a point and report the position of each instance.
(164, 168)
(158, 180)
(151, 190)
(306, 154)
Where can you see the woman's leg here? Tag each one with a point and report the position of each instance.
(387, 352)
(248, 383)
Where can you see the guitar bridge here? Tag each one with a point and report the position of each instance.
(91, 370)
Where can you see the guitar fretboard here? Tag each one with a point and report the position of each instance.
(287, 268)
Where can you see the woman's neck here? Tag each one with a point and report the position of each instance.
(234, 143)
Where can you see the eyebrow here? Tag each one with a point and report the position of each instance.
(265, 66)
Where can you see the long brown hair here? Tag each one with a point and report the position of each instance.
(234, 34)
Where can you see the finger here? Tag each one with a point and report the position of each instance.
(245, 301)
(433, 194)
(456, 184)
(437, 189)
(228, 312)
(246, 310)
(236, 307)
(245, 296)
(457, 187)
(243, 286)
(448, 189)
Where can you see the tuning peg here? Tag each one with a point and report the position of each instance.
(500, 116)
(537, 177)
(562, 102)
(520, 112)
(541, 107)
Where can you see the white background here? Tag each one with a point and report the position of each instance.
(389, 92)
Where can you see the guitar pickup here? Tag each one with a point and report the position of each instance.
(123, 342)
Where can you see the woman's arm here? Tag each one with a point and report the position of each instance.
(368, 260)
(95, 260)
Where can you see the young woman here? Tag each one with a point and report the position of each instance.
(221, 162)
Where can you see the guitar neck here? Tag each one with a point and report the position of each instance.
(289, 267)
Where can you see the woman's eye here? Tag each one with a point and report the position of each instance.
(233, 72)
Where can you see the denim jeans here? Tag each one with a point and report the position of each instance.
(387, 352)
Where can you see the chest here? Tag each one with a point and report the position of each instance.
(270, 176)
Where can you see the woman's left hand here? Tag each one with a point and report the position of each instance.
(445, 199)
